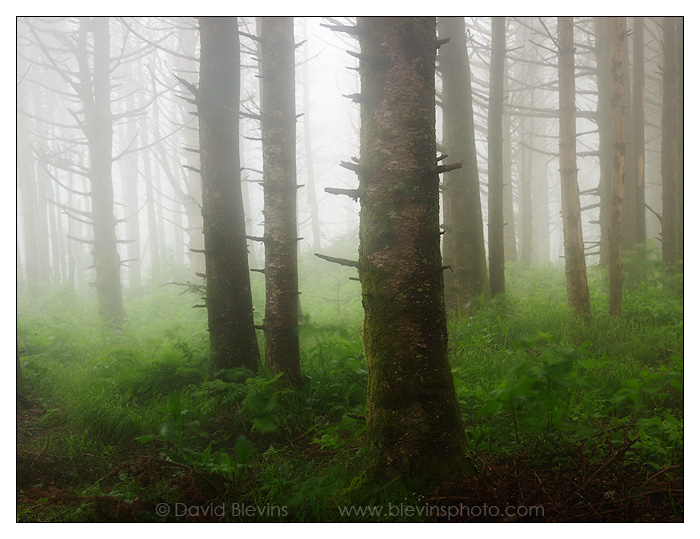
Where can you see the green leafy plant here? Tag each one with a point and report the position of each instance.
(173, 433)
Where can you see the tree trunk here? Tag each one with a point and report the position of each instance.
(308, 152)
(629, 199)
(26, 190)
(229, 303)
(147, 175)
(98, 128)
(192, 197)
(414, 426)
(465, 231)
(278, 128)
(679, 145)
(638, 121)
(495, 150)
(509, 237)
(618, 168)
(575, 259)
(130, 180)
(671, 126)
(605, 144)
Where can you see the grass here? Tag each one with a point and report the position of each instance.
(529, 376)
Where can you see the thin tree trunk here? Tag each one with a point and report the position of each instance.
(192, 200)
(629, 199)
(229, 303)
(464, 235)
(669, 141)
(26, 184)
(509, 237)
(278, 128)
(41, 180)
(575, 259)
(618, 170)
(129, 174)
(638, 121)
(497, 277)
(604, 115)
(98, 128)
(308, 152)
(146, 167)
(414, 428)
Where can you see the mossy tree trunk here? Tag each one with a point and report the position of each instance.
(229, 304)
(465, 232)
(414, 427)
(575, 259)
(618, 168)
(497, 277)
(278, 119)
(95, 95)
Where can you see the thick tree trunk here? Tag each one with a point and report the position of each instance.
(618, 168)
(229, 302)
(278, 127)
(604, 115)
(414, 426)
(98, 128)
(575, 259)
(497, 276)
(464, 234)
(670, 151)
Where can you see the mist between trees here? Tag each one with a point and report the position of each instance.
(426, 155)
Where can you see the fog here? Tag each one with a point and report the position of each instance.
(154, 139)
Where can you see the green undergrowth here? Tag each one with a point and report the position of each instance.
(529, 375)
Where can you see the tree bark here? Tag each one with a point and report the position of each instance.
(629, 199)
(618, 168)
(575, 259)
(414, 428)
(464, 232)
(670, 151)
(604, 116)
(509, 236)
(278, 127)
(229, 303)
(497, 277)
(638, 121)
(96, 86)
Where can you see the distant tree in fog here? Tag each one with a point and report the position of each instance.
(464, 232)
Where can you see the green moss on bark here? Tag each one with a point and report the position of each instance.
(414, 427)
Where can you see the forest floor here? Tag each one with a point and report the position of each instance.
(519, 488)
(565, 420)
